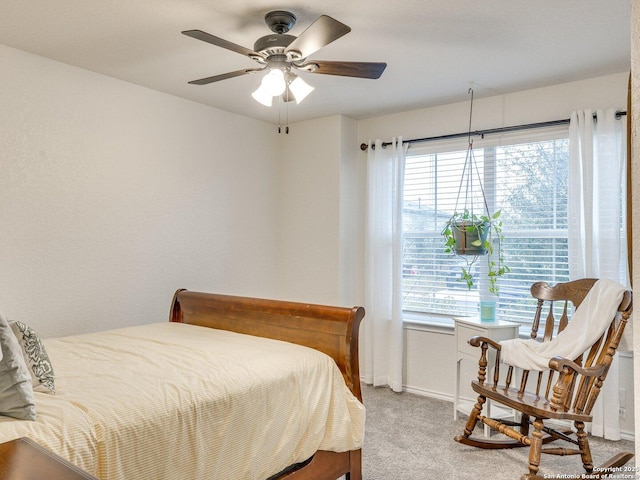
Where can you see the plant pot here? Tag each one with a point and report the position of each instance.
(470, 237)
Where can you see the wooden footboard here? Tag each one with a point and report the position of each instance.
(331, 330)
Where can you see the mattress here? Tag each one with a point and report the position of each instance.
(175, 401)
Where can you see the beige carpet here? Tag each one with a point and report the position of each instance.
(410, 437)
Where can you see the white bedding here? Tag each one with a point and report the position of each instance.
(173, 401)
(61, 427)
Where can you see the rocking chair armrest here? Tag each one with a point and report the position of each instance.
(483, 361)
(562, 389)
(559, 363)
(477, 341)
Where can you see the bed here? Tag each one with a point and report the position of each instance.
(231, 387)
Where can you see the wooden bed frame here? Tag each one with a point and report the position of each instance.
(331, 330)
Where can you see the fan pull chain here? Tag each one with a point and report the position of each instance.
(286, 106)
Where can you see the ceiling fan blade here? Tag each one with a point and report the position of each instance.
(320, 33)
(224, 76)
(371, 70)
(207, 37)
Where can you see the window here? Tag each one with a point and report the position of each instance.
(525, 177)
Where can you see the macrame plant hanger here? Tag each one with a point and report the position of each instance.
(471, 229)
(467, 178)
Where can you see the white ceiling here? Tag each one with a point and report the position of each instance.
(435, 49)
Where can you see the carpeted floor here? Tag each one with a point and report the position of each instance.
(410, 437)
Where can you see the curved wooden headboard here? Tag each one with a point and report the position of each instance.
(331, 330)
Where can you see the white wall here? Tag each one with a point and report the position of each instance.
(351, 211)
(112, 196)
(317, 247)
(538, 105)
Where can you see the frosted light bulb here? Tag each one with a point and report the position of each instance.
(273, 82)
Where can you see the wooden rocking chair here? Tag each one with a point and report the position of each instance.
(567, 391)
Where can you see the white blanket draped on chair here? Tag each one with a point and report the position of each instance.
(588, 323)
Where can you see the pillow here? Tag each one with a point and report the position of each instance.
(35, 356)
(16, 390)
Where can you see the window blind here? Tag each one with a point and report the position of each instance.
(523, 176)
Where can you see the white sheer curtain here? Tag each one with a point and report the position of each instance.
(383, 336)
(597, 236)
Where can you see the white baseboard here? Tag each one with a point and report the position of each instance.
(428, 393)
(628, 436)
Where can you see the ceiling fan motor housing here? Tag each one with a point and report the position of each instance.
(273, 44)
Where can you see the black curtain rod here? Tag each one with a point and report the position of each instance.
(482, 133)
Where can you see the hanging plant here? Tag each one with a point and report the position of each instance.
(466, 234)
(470, 233)
(470, 236)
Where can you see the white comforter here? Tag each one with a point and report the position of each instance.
(173, 401)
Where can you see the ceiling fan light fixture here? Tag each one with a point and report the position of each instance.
(262, 96)
(300, 89)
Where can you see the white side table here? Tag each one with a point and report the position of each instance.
(465, 328)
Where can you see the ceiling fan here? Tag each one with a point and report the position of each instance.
(280, 54)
